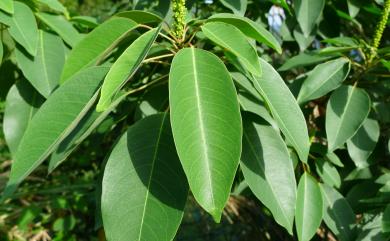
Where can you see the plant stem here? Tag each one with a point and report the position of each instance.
(179, 17)
(379, 30)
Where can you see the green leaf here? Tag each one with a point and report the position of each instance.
(7, 6)
(21, 104)
(125, 67)
(328, 173)
(346, 111)
(22, 27)
(96, 44)
(284, 109)
(323, 79)
(302, 40)
(87, 21)
(206, 125)
(338, 214)
(304, 59)
(362, 144)
(308, 214)
(57, 117)
(268, 170)
(140, 17)
(55, 5)
(44, 70)
(307, 13)
(62, 27)
(249, 28)
(237, 6)
(232, 39)
(386, 220)
(144, 187)
(1, 52)
(353, 7)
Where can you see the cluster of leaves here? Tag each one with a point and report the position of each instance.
(204, 111)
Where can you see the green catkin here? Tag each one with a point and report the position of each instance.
(179, 17)
(379, 29)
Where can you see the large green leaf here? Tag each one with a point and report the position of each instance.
(268, 169)
(95, 45)
(304, 59)
(56, 5)
(22, 27)
(328, 173)
(57, 117)
(338, 214)
(21, 104)
(125, 67)
(140, 17)
(308, 214)
(362, 144)
(62, 27)
(323, 79)
(237, 6)
(44, 70)
(307, 13)
(144, 189)
(284, 109)
(249, 28)
(346, 111)
(7, 6)
(206, 125)
(232, 39)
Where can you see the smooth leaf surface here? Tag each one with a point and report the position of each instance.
(104, 37)
(21, 104)
(144, 189)
(44, 70)
(346, 111)
(62, 27)
(323, 79)
(57, 117)
(206, 125)
(22, 27)
(363, 143)
(249, 28)
(55, 5)
(7, 6)
(338, 214)
(125, 67)
(328, 173)
(308, 214)
(237, 6)
(140, 17)
(304, 59)
(232, 39)
(268, 170)
(284, 109)
(307, 13)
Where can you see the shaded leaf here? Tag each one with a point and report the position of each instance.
(304, 59)
(237, 6)
(328, 173)
(307, 13)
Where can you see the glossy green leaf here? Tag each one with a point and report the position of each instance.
(249, 28)
(206, 125)
(386, 220)
(308, 214)
(7, 6)
(323, 79)
(346, 111)
(307, 13)
(268, 170)
(55, 5)
(22, 27)
(232, 39)
(237, 6)
(57, 117)
(21, 104)
(284, 109)
(304, 59)
(362, 144)
(140, 17)
(328, 173)
(44, 70)
(62, 27)
(338, 214)
(104, 37)
(125, 67)
(86, 21)
(144, 189)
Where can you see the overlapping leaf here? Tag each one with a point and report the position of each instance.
(307, 13)
(7, 6)
(144, 188)
(206, 125)
(237, 6)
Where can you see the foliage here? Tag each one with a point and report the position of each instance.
(138, 110)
